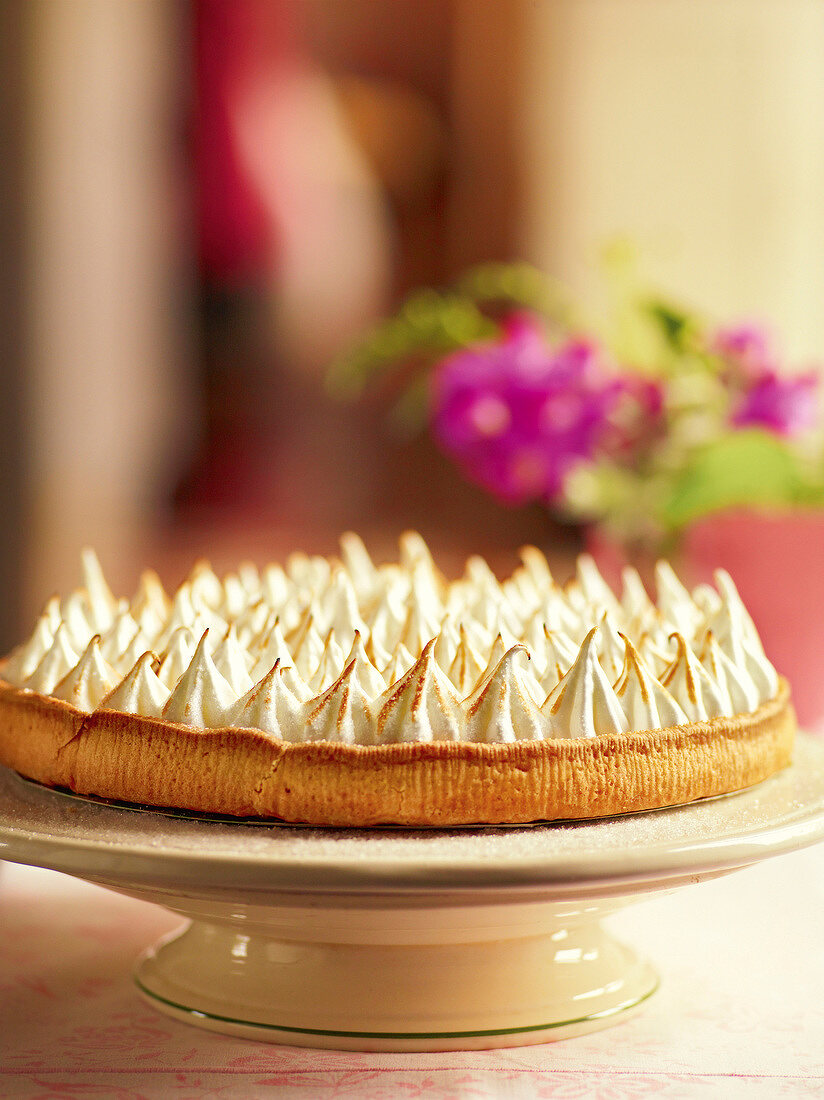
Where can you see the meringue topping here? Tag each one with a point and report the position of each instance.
(647, 704)
(202, 696)
(584, 704)
(295, 650)
(58, 660)
(341, 713)
(423, 706)
(26, 657)
(502, 708)
(88, 682)
(142, 692)
(701, 696)
(269, 706)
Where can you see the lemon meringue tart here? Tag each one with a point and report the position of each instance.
(344, 693)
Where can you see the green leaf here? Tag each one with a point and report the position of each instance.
(745, 468)
(428, 325)
(676, 325)
(516, 284)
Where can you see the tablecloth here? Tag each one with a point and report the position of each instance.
(740, 1010)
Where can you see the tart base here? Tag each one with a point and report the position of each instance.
(247, 773)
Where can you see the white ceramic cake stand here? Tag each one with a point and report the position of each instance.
(401, 939)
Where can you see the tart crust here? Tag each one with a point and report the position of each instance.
(244, 772)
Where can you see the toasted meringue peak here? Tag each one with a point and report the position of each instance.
(537, 566)
(595, 589)
(205, 585)
(141, 692)
(117, 638)
(647, 703)
(51, 609)
(697, 692)
(330, 624)
(274, 648)
(338, 608)
(102, 603)
(310, 574)
(252, 622)
(739, 685)
(559, 657)
(149, 620)
(249, 576)
(584, 703)
(386, 624)
(398, 665)
(557, 615)
(76, 616)
(447, 641)
(502, 708)
(341, 713)
(520, 593)
(370, 680)
(414, 551)
(296, 683)
(58, 660)
(269, 706)
(150, 594)
(610, 648)
(638, 609)
(358, 563)
(177, 656)
(742, 638)
(136, 648)
(736, 611)
(330, 665)
(182, 613)
(499, 648)
(657, 653)
(87, 683)
(706, 599)
(306, 645)
(26, 657)
(762, 673)
(424, 591)
(738, 638)
(202, 696)
(418, 630)
(276, 586)
(235, 598)
(675, 602)
(467, 666)
(232, 662)
(422, 706)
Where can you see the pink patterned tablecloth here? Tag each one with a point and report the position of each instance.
(740, 1011)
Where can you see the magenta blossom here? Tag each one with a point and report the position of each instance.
(785, 406)
(746, 347)
(518, 415)
(638, 418)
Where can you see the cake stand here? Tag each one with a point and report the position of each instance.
(402, 939)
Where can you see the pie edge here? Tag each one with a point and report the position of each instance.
(247, 773)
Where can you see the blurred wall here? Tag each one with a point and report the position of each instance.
(12, 339)
(696, 128)
(107, 402)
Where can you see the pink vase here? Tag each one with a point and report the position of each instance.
(777, 563)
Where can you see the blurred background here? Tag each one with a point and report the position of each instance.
(204, 202)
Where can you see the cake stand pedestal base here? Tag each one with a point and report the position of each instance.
(385, 977)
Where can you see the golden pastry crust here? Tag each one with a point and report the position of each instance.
(244, 772)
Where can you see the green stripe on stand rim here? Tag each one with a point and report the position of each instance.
(615, 1011)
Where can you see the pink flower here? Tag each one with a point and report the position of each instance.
(746, 347)
(518, 415)
(785, 406)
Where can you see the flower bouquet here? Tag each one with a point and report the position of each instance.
(637, 423)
